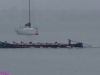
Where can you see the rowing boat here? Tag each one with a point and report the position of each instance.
(36, 45)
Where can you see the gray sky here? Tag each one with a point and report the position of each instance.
(51, 4)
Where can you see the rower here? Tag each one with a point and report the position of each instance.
(55, 43)
(30, 42)
(6, 42)
(14, 42)
(69, 42)
(22, 42)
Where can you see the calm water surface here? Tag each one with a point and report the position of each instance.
(50, 61)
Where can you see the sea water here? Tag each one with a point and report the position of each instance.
(49, 61)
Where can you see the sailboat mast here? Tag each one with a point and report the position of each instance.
(29, 14)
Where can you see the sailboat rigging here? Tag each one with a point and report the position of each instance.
(28, 30)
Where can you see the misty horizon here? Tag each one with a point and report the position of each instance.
(50, 15)
(51, 4)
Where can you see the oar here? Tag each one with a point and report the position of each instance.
(74, 41)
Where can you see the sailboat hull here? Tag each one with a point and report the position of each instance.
(27, 31)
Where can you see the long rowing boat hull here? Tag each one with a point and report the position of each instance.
(7, 45)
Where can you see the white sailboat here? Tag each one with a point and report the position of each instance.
(28, 30)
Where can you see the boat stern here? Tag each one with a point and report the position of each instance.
(79, 45)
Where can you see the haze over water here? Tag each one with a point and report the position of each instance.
(54, 25)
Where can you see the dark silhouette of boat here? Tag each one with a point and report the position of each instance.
(37, 45)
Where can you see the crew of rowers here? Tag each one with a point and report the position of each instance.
(39, 43)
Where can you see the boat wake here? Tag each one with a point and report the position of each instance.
(91, 47)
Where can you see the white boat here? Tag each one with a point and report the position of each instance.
(28, 30)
